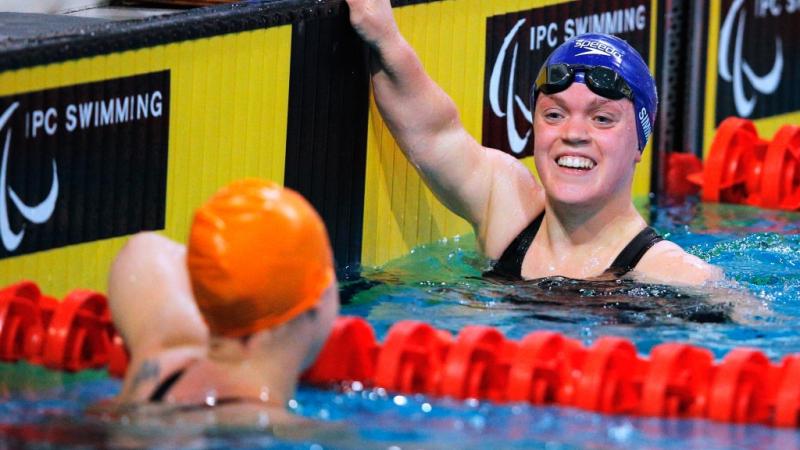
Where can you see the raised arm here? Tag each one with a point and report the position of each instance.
(467, 177)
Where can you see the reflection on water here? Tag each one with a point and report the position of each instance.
(376, 419)
(612, 301)
(441, 283)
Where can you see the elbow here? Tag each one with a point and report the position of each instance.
(449, 117)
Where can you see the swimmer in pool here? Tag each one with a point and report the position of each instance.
(233, 318)
(594, 102)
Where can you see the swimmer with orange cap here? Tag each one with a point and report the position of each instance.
(234, 317)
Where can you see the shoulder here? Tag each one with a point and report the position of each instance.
(516, 198)
(147, 260)
(668, 263)
(149, 246)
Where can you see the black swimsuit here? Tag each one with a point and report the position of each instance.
(509, 266)
(161, 390)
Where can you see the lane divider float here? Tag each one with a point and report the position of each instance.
(742, 167)
(544, 367)
(72, 334)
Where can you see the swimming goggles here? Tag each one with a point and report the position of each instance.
(601, 80)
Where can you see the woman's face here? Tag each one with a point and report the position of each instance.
(585, 146)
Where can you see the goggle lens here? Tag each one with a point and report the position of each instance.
(600, 80)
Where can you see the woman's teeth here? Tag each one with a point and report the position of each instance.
(575, 162)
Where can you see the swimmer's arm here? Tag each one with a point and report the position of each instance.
(152, 307)
(140, 381)
(463, 175)
(668, 263)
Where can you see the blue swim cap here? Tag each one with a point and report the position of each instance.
(611, 52)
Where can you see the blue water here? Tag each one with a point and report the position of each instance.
(440, 283)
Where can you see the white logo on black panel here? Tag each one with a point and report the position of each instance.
(598, 48)
(741, 70)
(516, 142)
(37, 214)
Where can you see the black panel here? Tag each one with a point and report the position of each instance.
(83, 162)
(680, 77)
(327, 127)
(757, 61)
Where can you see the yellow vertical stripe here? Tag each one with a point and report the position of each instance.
(711, 74)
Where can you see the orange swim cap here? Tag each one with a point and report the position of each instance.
(258, 256)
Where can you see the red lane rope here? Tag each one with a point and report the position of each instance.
(741, 167)
(544, 367)
(73, 334)
(677, 380)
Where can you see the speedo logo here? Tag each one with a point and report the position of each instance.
(645, 121)
(597, 48)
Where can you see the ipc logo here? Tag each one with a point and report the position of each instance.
(741, 70)
(507, 107)
(36, 214)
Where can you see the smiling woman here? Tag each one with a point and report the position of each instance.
(594, 103)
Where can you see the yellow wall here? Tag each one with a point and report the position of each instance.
(227, 93)
(228, 119)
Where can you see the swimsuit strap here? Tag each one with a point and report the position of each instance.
(509, 266)
(161, 390)
(510, 263)
(629, 257)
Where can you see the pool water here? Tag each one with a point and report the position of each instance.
(441, 284)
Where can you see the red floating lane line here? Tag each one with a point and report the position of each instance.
(348, 354)
(738, 391)
(542, 371)
(787, 401)
(544, 367)
(77, 336)
(497, 386)
(734, 140)
(677, 381)
(469, 362)
(743, 168)
(21, 330)
(412, 358)
(611, 377)
(684, 174)
(118, 356)
(24, 289)
(779, 179)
